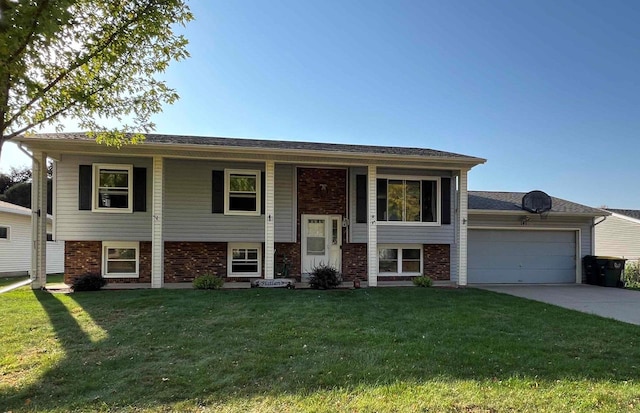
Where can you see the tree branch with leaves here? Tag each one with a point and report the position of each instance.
(89, 61)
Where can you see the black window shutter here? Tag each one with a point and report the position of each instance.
(361, 199)
(139, 189)
(263, 190)
(84, 187)
(381, 197)
(429, 191)
(217, 191)
(445, 201)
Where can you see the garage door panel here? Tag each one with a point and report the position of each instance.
(516, 236)
(526, 248)
(524, 277)
(521, 256)
(526, 262)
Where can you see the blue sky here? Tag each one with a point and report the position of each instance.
(547, 91)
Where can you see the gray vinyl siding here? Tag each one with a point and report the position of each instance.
(285, 222)
(388, 233)
(75, 225)
(187, 205)
(396, 234)
(618, 237)
(515, 221)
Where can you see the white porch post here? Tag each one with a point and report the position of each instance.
(39, 221)
(372, 239)
(463, 220)
(157, 240)
(269, 224)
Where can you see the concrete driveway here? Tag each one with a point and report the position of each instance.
(616, 303)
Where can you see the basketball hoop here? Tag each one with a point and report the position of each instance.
(537, 202)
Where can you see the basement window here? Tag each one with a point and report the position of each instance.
(400, 260)
(244, 260)
(120, 259)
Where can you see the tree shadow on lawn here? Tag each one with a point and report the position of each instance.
(149, 348)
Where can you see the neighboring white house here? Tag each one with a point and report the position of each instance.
(619, 234)
(15, 242)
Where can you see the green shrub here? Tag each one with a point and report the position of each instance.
(324, 277)
(208, 282)
(422, 281)
(631, 276)
(88, 282)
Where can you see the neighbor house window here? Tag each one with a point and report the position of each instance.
(49, 236)
(4, 233)
(244, 260)
(112, 188)
(407, 200)
(120, 259)
(242, 192)
(400, 260)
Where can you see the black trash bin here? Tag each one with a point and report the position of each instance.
(604, 271)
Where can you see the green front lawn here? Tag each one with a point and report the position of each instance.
(400, 349)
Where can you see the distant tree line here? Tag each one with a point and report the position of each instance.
(15, 187)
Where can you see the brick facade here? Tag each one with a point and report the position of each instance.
(437, 261)
(80, 258)
(184, 261)
(354, 262)
(85, 257)
(292, 252)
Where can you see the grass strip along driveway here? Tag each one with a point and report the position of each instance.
(400, 349)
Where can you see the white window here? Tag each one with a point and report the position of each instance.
(112, 188)
(120, 259)
(245, 260)
(5, 233)
(412, 200)
(242, 192)
(399, 260)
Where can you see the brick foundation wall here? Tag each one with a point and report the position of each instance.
(437, 261)
(85, 257)
(292, 251)
(80, 258)
(184, 261)
(354, 262)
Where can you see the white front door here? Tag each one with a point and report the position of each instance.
(321, 241)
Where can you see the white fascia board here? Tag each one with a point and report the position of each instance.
(551, 214)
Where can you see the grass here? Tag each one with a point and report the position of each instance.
(404, 349)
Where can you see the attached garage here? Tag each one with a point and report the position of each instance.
(509, 244)
(512, 256)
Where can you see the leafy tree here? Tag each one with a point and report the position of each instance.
(15, 187)
(89, 60)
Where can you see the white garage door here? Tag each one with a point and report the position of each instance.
(521, 257)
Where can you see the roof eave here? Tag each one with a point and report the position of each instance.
(468, 161)
(552, 213)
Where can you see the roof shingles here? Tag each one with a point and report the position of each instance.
(512, 201)
(272, 144)
(631, 213)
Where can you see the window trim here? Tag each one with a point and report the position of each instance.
(399, 272)
(8, 227)
(243, 245)
(95, 205)
(120, 244)
(227, 190)
(437, 179)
